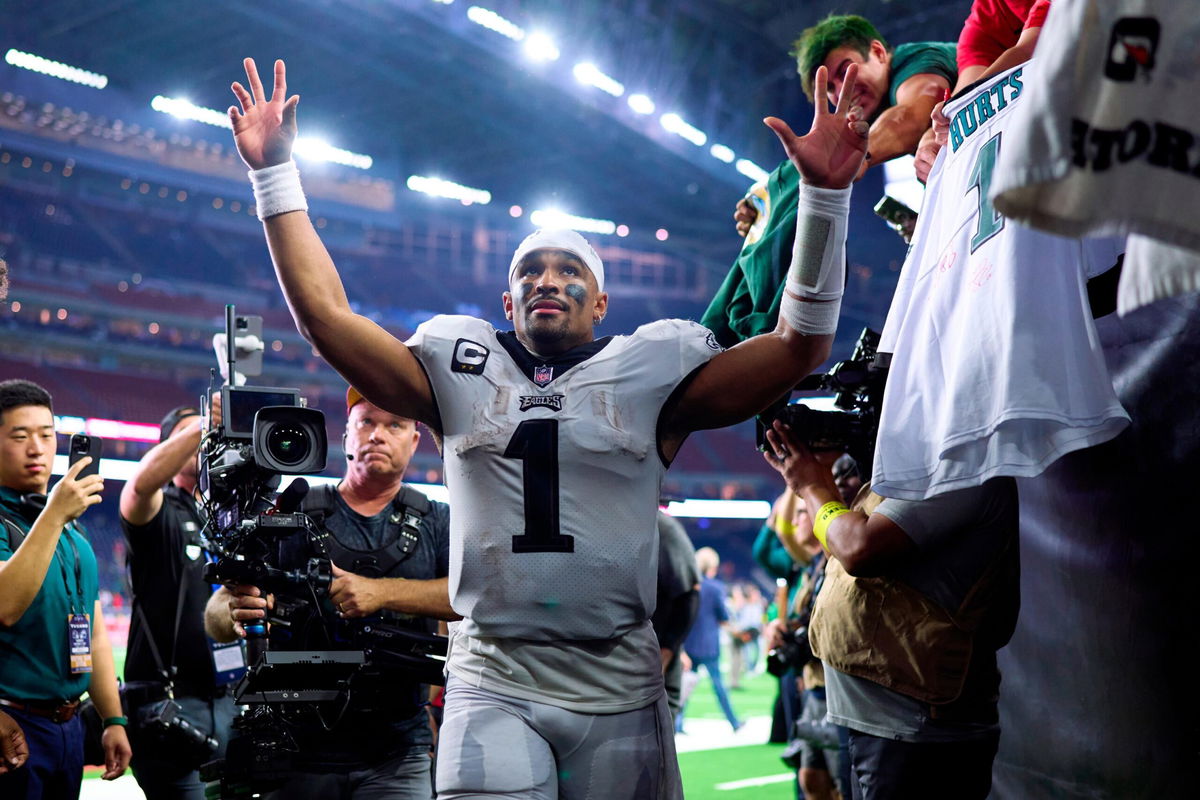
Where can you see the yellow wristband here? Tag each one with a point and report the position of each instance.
(784, 526)
(828, 513)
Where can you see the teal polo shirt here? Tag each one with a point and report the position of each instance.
(34, 658)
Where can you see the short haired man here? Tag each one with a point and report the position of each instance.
(53, 643)
(895, 88)
(390, 551)
(163, 522)
(918, 597)
(555, 445)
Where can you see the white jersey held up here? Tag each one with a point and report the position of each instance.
(554, 487)
(996, 368)
(1109, 140)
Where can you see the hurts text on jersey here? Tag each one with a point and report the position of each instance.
(987, 103)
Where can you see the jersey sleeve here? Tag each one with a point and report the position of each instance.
(452, 349)
(696, 344)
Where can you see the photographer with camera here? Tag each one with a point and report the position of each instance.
(53, 642)
(918, 596)
(177, 679)
(390, 553)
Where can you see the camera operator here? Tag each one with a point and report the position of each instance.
(53, 643)
(918, 597)
(389, 547)
(167, 644)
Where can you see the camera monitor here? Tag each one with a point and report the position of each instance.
(239, 405)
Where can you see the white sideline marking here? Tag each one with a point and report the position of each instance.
(763, 781)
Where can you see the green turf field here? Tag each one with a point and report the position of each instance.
(707, 774)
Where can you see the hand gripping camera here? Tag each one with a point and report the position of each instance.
(858, 385)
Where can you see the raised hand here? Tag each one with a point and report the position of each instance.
(832, 151)
(72, 495)
(263, 129)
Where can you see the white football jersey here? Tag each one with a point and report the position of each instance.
(1107, 141)
(996, 369)
(554, 478)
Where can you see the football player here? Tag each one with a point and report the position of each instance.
(555, 444)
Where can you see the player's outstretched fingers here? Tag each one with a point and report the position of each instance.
(848, 82)
(256, 87)
(821, 90)
(787, 137)
(280, 91)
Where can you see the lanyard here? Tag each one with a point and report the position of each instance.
(78, 591)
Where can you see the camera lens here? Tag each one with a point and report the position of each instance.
(288, 444)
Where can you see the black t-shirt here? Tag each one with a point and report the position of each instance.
(403, 725)
(163, 554)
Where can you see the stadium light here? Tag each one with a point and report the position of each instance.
(590, 75)
(55, 69)
(185, 109)
(720, 509)
(494, 22)
(553, 218)
(540, 47)
(641, 104)
(320, 150)
(751, 170)
(449, 189)
(721, 153)
(675, 124)
(306, 147)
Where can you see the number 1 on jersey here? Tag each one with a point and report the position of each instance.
(535, 443)
(990, 221)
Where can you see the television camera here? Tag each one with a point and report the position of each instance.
(265, 434)
(858, 384)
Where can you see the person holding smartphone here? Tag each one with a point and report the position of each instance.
(53, 643)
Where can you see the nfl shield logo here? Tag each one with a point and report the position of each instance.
(543, 375)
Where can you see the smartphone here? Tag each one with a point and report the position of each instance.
(84, 445)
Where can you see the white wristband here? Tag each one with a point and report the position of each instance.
(812, 318)
(818, 270)
(277, 190)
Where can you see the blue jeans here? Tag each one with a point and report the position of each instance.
(54, 769)
(713, 668)
(885, 768)
(158, 769)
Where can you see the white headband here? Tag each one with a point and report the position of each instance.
(572, 242)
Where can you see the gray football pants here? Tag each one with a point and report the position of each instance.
(493, 746)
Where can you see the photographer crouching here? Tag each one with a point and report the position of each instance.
(388, 545)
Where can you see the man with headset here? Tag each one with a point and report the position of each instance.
(390, 550)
